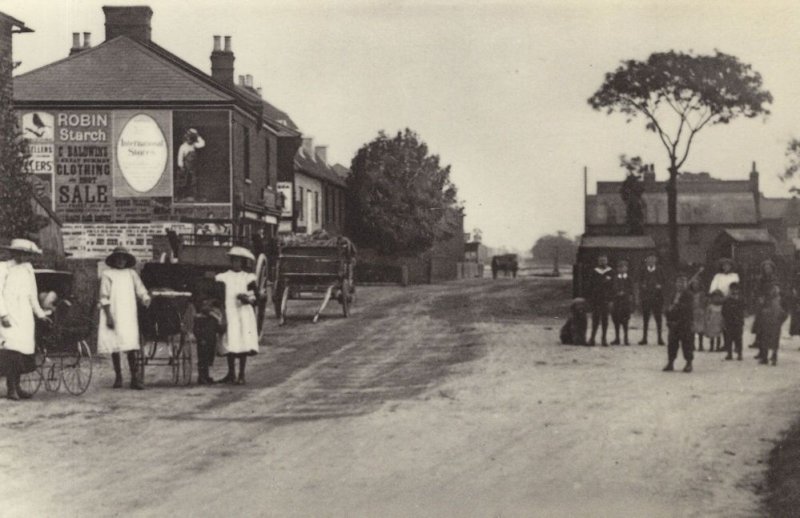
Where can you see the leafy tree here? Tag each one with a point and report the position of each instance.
(555, 248)
(793, 165)
(686, 92)
(398, 195)
(17, 217)
(631, 192)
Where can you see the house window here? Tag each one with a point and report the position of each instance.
(316, 206)
(246, 153)
(267, 180)
(300, 211)
(334, 194)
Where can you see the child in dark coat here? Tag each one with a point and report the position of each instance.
(770, 320)
(622, 301)
(573, 332)
(733, 321)
(679, 322)
(600, 284)
(208, 324)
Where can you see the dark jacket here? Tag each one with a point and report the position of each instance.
(622, 295)
(681, 312)
(733, 315)
(601, 286)
(651, 286)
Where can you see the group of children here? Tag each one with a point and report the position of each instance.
(718, 316)
(223, 314)
(224, 319)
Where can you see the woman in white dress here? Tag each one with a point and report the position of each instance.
(19, 302)
(724, 278)
(118, 332)
(241, 335)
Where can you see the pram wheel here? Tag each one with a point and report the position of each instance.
(52, 376)
(76, 371)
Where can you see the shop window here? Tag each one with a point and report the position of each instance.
(246, 153)
(299, 205)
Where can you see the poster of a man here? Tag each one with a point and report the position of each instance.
(187, 165)
(202, 158)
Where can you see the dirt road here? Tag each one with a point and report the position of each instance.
(449, 400)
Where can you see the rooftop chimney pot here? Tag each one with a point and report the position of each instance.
(87, 40)
(322, 153)
(76, 40)
(228, 44)
(308, 147)
(217, 44)
(248, 80)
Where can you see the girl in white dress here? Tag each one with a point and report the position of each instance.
(118, 332)
(241, 335)
(19, 303)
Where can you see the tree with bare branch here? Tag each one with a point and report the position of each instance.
(678, 94)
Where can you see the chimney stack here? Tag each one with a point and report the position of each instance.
(248, 80)
(308, 147)
(76, 43)
(322, 153)
(131, 21)
(222, 62)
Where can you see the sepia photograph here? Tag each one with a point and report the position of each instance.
(399, 258)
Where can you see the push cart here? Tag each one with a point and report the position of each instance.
(62, 357)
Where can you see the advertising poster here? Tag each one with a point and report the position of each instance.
(98, 240)
(285, 190)
(83, 166)
(142, 164)
(38, 129)
(201, 161)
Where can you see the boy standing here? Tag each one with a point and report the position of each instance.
(771, 318)
(679, 321)
(651, 290)
(733, 321)
(600, 286)
(622, 289)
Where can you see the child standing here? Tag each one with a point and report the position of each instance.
(698, 312)
(207, 325)
(679, 322)
(118, 332)
(622, 301)
(713, 321)
(771, 318)
(733, 321)
(600, 291)
(241, 334)
(19, 304)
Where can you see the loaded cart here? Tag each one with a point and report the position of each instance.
(314, 268)
(62, 353)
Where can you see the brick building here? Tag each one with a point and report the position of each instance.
(706, 207)
(128, 139)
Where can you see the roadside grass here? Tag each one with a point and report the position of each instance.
(782, 497)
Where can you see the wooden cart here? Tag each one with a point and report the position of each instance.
(315, 269)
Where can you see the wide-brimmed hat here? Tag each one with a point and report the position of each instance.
(240, 251)
(130, 260)
(25, 246)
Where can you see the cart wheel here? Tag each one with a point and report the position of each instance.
(52, 377)
(346, 298)
(77, 371)
(284, 303)
(182, 363)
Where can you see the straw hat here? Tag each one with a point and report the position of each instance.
(240, 251)
(25, 246)
(130, 260)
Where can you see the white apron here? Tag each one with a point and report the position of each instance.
(120, 289)
(19, 299)
(241, 335)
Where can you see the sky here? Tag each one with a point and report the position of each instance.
(497, 89)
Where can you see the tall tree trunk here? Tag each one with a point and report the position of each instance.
(672, 215)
